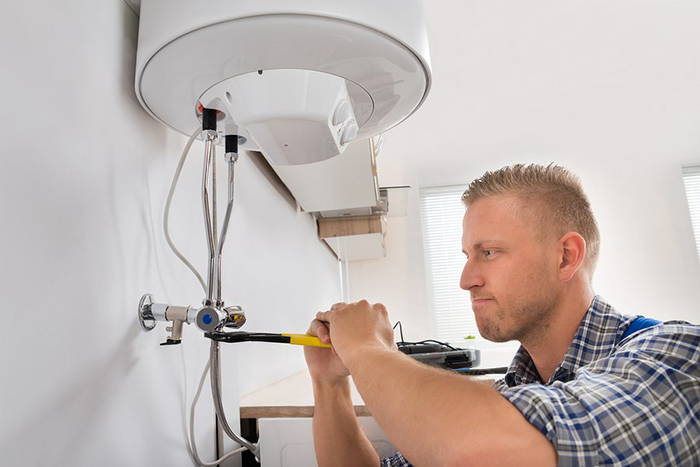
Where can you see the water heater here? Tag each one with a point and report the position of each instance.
(297, 80)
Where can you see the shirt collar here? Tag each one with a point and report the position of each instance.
(600, 330)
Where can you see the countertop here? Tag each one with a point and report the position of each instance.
(294, 397)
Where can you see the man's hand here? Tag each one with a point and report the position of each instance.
(357, 326)
(324, 364)
(338, 439)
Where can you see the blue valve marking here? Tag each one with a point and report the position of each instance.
(207, 319)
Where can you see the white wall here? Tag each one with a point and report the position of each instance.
(83, 176)
(648, 261)
(607, 89)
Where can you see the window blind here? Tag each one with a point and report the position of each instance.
(691, 180)
(441, 216)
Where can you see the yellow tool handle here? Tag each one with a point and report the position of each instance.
(305, 339)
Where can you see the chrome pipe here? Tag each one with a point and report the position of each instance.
(224, 228)
(215, 369)
(208, 148)
(214, 211)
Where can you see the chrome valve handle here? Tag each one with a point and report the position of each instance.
(146, 319)
(210, 318)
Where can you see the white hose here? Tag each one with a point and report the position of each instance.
(190, 437)
(191, 443)
(184, 406)
(166, 213)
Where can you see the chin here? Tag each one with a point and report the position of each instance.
(499, 339)
(492, 333)
(487, 332)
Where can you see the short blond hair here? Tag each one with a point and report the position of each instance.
(555, 195)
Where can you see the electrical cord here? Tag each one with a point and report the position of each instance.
(469, 370)
(403, 343)
(166, 213)
(427, 341)
(483, 371)
(398, 323)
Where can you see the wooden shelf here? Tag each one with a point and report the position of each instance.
(347, 226)
(354, 238)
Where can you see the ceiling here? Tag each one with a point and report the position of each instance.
(585, 83)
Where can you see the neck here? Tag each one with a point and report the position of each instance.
(548, 350)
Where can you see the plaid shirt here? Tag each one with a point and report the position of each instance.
(632, 401)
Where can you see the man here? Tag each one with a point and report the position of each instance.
(576, 393)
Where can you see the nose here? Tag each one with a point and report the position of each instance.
(470, 276)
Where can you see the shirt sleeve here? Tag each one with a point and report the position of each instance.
(397, 460)
(639, 406)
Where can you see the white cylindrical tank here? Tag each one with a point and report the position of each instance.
(299, 79)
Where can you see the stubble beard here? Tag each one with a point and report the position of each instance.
(530, 320)
(529, 315)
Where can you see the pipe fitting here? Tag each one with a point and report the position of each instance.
(210, 318)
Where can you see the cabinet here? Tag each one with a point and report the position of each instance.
(289, 442)
(281, 416)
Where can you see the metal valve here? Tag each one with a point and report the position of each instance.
(236, 316)
(210, 318)
(150, 313)
(207, 318)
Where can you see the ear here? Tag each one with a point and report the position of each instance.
(572, 247)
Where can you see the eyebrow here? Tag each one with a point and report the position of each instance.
(478, 245)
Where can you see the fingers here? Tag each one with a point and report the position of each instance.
(381, 309)
(320, 330)
(321, 324)
(342, 306)
(323, 316)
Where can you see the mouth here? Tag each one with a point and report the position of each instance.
(481, 301)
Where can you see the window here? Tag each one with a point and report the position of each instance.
(441, 215)
(691, 180)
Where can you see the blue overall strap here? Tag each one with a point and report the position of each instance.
(640, 323)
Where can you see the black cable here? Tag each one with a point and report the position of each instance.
(398, 323)
(483, 371)
(432, 341)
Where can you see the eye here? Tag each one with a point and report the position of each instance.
(489, 253)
